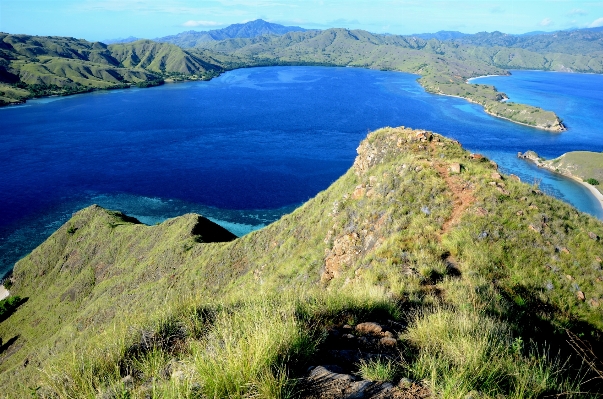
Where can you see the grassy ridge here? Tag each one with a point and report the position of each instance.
(149, 310)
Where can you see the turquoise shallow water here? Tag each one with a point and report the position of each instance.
(251, 145)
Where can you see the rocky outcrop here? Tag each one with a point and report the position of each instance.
(347, 347)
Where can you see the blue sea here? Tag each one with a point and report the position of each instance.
(253, 144)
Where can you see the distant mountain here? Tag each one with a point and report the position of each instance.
(579, 41)
(121, 40)
(250, 29)
(442, 35)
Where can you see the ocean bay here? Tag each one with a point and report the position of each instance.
(243, 148)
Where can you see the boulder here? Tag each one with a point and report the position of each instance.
(455, 168)
(369, 328)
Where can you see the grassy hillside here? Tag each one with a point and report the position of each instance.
(444, 66)
(33, 66)
(421, 266)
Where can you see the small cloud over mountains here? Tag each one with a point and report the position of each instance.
(546, 22)
(201, 23)
(577, 11)
(596, 23)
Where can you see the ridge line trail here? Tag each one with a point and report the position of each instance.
(462, 196)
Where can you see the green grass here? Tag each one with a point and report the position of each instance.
(464, 351)
(378, 370)
(247, 317)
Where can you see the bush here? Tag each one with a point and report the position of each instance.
(9, 305)
(592, 182)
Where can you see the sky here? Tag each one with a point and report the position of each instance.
(111, 19)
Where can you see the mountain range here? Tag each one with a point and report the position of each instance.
(255, 28)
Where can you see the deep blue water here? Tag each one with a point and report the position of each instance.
(252, 144)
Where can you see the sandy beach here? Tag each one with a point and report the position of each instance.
(3, 292)
(485, 76)
(596, 193)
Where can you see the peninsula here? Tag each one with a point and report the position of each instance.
(586, 167)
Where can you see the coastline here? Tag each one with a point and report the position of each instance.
(595, 193)
(502, 117)
(598, 196)
(484, 76)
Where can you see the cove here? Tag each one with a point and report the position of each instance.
(242, 149)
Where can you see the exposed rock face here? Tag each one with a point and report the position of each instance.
(345, 248)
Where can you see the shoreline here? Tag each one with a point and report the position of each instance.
(502, 117)
(484, 76)
(596, 194)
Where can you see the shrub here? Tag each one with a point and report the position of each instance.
(592, 182)
(9, 305)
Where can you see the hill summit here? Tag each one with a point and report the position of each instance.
(423, 270)
(255, 28)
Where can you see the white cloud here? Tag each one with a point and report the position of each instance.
(545, 22)
(596, 23)
(201, 23)
(577, 11)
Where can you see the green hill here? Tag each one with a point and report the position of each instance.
(37, 66)
(421, 266)
(578, 42)
(444, 66)
(33, 66)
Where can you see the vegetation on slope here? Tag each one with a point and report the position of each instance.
(34, 66)
(444, 67)
(481, 278)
